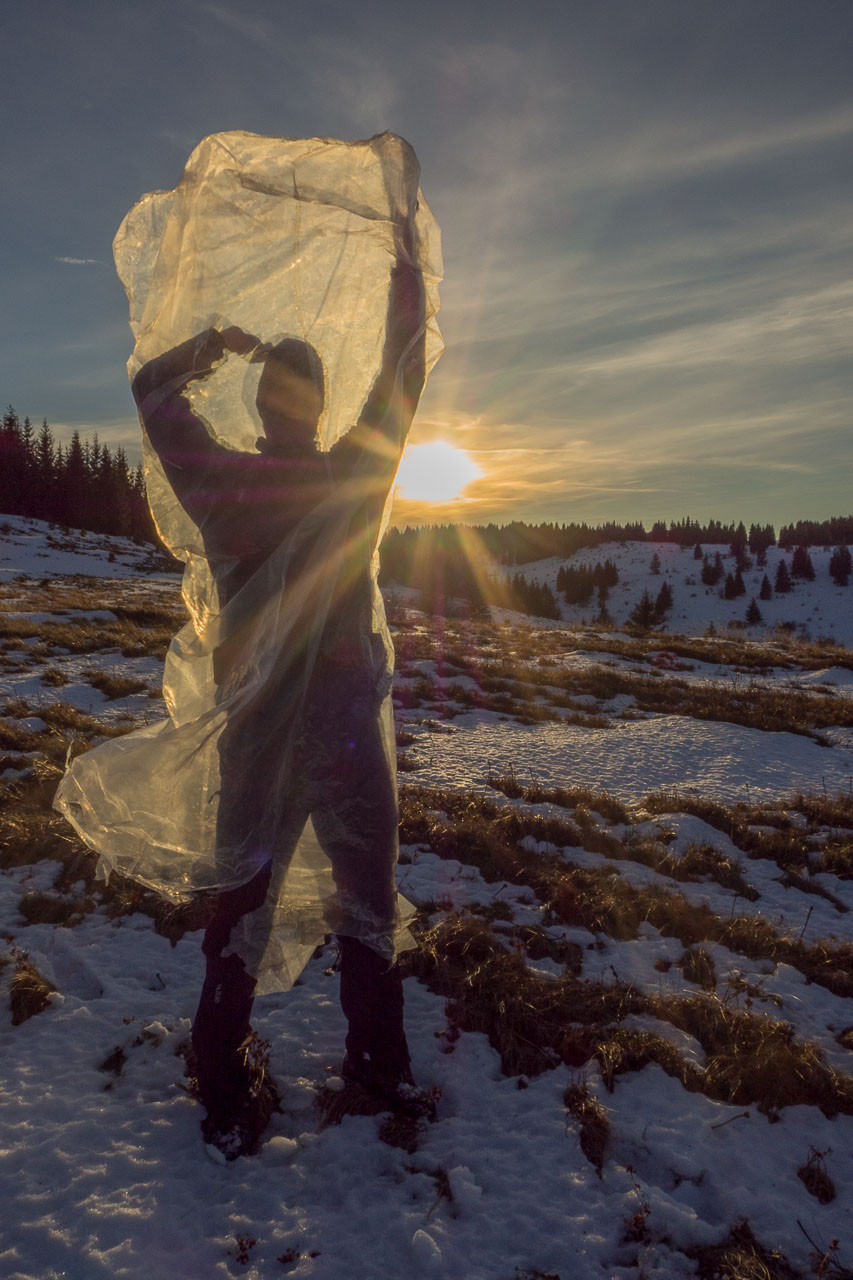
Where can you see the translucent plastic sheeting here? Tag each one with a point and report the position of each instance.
(283, 301)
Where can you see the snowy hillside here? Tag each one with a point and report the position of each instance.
(811, 609)
(633, 861)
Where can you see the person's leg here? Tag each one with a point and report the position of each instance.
(355, 817)
(221, 1023)
(372, 1001)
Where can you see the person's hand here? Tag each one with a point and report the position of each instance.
(237, 340)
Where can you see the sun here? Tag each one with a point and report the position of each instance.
(435, 472)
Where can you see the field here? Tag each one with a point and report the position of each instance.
(632, 859)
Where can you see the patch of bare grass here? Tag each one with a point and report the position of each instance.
(534, 1023)
(762, 831)
(564, 797)
(815, 1176)
(54, 677)
(475, 831)
(113, 686)
(592, 1122)
(30, 991)
(752, 1057)
(698, 967)
(740, 1257)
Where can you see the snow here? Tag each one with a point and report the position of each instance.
(104, 1174)
(695, 757)
(818, 608)
(37, 549)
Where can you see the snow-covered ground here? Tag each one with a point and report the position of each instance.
(103, 1173)
(696, 757)
(817, 609)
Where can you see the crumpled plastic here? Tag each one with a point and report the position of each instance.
(279, 743)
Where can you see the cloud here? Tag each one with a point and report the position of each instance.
(81, 262)
(252, 28)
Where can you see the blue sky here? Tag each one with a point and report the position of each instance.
(646, 208)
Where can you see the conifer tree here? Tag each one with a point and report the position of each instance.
(766, 592)
(782, 584)
(643, 616)
(655, 563)
(753, 614)
(663, 601)
(801, 564)
(841, 565)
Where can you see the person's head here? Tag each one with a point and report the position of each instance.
(291, 394)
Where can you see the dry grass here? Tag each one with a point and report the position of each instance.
(564, 797)
(30, 831)
(29, 993)
(698, 967)
(479, 833)
(592, 1121)
(508, 683)
(534, 1023)
(815, 1177)
(762, 831)
(740, 1257)
(113, 686)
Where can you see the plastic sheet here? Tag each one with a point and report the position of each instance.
(283, 302)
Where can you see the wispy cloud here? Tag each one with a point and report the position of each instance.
(81, 262)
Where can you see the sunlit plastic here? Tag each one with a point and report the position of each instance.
(279, 743)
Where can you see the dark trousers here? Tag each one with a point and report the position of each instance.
(371, 999)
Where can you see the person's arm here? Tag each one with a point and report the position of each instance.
(207, 478)
(378, 437)
(180, 436)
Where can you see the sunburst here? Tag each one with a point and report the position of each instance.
(436, 472)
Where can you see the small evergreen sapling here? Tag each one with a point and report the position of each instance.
(766, 592)
(663, 601)
(753, 614)
(644, 614)
(782, 585)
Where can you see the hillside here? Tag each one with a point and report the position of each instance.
(811, 609)
(632, 856)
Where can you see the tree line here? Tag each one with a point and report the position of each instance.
(87, 485)
(83, 484)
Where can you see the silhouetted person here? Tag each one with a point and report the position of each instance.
(333, 767)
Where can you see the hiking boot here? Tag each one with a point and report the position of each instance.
(239, 1110)
(396, 1088)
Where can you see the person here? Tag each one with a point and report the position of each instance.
(331, 768)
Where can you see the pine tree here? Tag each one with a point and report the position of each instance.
(753, 614)
(74, 484)
(643, 616)
(730, 590)
(655, 563)
(801, 564)
(782, 584)
(697, 551)
(766, 592)
(841, 565)
(45, 474)
(712, 570)
(663, 601)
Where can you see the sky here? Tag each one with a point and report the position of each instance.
(646, 211)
